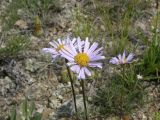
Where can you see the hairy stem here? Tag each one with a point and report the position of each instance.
(123, 79)
(73, 91)
(84, 99)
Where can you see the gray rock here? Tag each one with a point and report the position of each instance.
(7, 86)
(32, 65)
(62, 90)
(60, 97)
(54, 102)
(67, 108)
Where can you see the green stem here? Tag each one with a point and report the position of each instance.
(156, 25)
(150, 78)
(123, 72)
(123, 79)
(157, 5)
(73, 91)
(84, 99)
(157, 73)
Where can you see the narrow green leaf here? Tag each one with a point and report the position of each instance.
(13, 114)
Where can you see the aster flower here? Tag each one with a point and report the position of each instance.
(122, 59)
(83, 57)
(57, 46)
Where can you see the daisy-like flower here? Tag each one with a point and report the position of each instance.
(57, 46)
(83, 57)
(122, 59)
(139, 77)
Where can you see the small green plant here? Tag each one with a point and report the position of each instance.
(41, 6)
(14, 46)
(64, 76)
(150, 63)
(118, 19)
(38, 31)
(85, 26)
(30, 9)
(27, 112)
(10, 16)
(121, 95)
(157, 116)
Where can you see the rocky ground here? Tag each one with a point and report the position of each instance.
(34, 77)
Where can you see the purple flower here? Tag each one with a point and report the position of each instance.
(83, 57)
(122, 59)
(57, 46)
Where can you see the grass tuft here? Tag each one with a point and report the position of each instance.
(15, 46)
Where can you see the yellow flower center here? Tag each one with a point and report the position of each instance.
(122, 61)
(125, 60)
(82, 59)
(60, 47)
